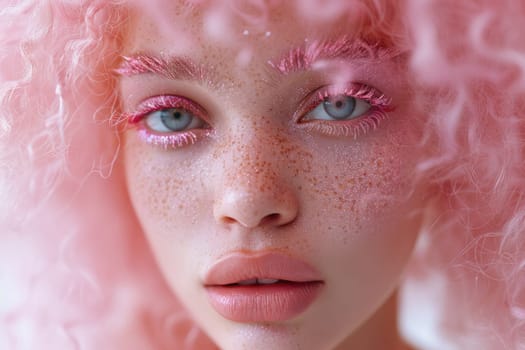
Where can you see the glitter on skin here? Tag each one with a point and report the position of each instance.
(337, 208)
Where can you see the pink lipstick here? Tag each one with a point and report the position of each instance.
(267, 287)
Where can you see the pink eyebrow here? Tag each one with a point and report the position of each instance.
(177, 68)
(297, 59)
(302, 58)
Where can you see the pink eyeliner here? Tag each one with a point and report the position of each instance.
(167, 140)
(360, 91)
(156, 103)
(380, 105)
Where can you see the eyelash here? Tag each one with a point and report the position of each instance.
(380, 105)
(165, 140)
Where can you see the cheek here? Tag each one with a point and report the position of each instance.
(366, 204)
(361, 186)
(165, 198)
(156, 192)
(365, 220)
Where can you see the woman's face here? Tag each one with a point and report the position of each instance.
(262, 150)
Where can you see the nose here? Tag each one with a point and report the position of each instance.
(249, 207)
(255, 189)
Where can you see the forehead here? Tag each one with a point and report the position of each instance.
(247, 28)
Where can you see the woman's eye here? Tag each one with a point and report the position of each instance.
(339, 107)
(172, 120)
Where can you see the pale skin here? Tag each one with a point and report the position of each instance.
(262, 181)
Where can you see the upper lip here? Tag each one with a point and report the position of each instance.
(236, 267)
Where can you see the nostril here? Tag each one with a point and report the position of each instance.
(268, 219)
(228, 220)
(274, 216)
(250, 209)
(271, 218)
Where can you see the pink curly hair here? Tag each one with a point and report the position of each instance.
(75, 270)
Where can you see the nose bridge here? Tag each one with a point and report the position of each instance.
(255, 157)
(255, 163)
(255, 186)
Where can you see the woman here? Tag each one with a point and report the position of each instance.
(262, 171)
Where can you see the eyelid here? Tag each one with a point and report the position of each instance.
(159, 102)
(172, 140)
(380, 106)
(367, 93)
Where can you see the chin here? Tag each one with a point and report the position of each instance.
(269, 336)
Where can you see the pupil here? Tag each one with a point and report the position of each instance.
(340, 107)
(175, 119)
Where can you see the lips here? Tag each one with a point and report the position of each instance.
(265, 287)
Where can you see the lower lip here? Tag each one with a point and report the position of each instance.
(263, 303)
